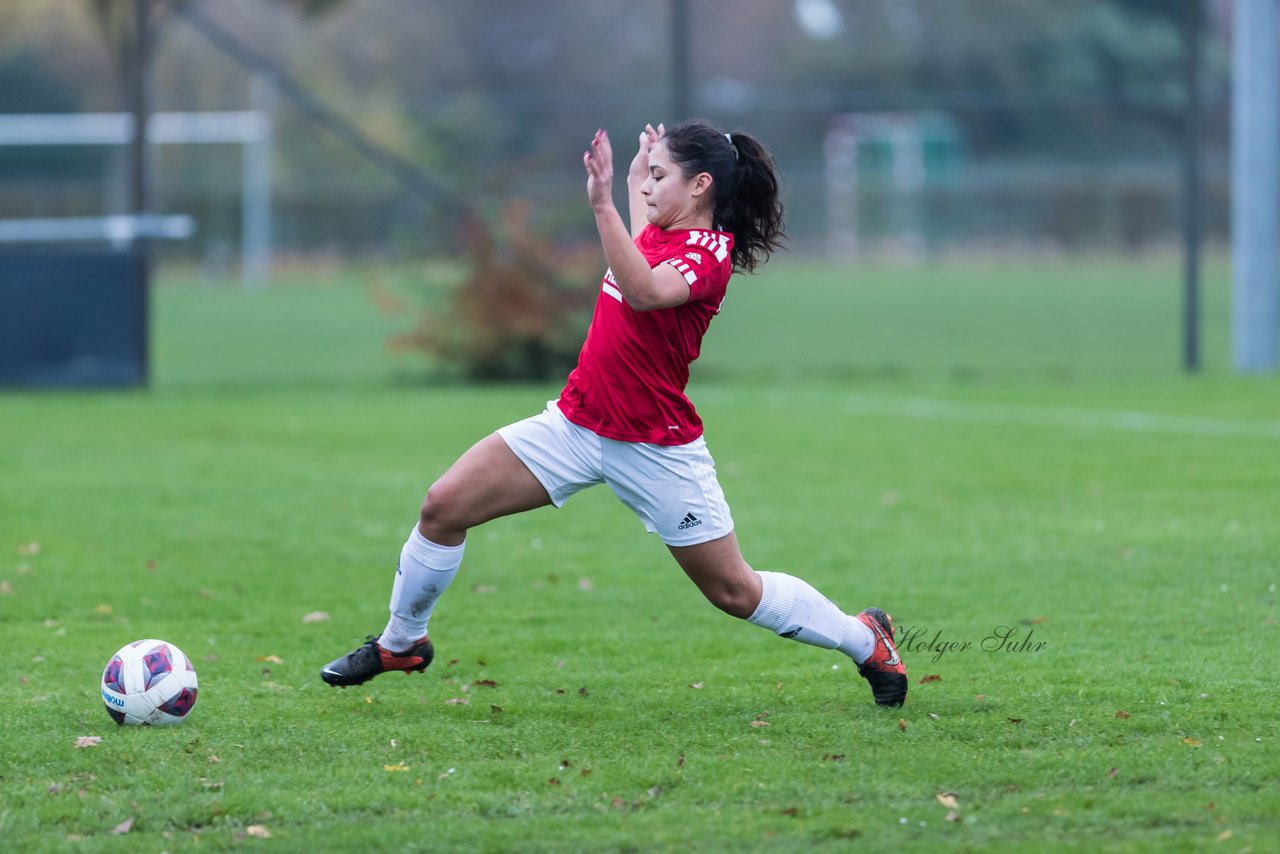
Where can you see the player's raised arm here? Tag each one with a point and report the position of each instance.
(637, 175)
(643, 287)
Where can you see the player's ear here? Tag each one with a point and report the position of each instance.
(701, 184)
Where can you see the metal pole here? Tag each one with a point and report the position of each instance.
(681, 78)
(139, 183)
(255, 203)
(137, 65)
(1255, 127)
(1191, 187)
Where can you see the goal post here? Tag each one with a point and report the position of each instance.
(251, 129)
(905, 152)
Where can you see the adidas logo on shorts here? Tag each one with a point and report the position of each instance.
(689, 521)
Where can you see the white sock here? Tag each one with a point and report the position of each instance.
(424, 573)
(792, 609)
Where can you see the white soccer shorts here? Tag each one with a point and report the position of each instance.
(672, 488)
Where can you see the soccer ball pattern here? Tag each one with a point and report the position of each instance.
(149, 682)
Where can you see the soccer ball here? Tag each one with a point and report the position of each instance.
(149, 682)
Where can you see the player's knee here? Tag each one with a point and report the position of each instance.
(733, 600)
(440, 517)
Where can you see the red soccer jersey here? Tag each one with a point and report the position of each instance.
(634, 365)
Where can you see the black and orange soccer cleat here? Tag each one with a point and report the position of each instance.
(884, 669)
(371, 659)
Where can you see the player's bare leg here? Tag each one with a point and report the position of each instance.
(486, 482)
(718, 569)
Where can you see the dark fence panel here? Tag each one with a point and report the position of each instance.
(73, 320)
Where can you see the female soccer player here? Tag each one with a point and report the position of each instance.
(703, 204)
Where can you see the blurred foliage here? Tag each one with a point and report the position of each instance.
(1008, 67)
(1018, 75)
(518, 314)
(466, 88)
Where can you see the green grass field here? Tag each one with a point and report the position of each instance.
(971, 447)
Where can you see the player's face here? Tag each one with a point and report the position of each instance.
(672, 199)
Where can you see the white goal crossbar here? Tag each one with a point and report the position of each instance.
(250, 128)
(119, 231)
(117, 128)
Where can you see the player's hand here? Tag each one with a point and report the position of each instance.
(598, 161)
(649, 137)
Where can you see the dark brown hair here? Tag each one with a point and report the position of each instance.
(744, 186)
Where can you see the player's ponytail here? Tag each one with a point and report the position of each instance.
(744, 186)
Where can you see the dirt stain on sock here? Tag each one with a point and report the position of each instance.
(424, 601)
